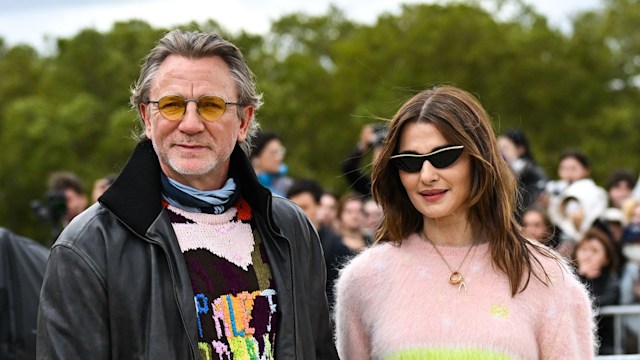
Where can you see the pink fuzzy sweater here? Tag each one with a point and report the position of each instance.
(396, 303)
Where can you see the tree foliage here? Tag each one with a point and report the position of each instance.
(323, 78)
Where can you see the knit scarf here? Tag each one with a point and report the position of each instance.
(194, 200)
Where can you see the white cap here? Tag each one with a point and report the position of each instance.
(613, 215)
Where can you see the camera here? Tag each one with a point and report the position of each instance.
(555, 188)
(379, 134)
(51, 210)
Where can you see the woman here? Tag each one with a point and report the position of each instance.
(597, 265)
(579, 204)
(620, 187)
(631, 211)
(328, 211)
(537, 225)
(515, 149)
(352, 222)
(451, 275)
(267, 155)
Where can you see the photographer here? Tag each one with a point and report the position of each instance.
(64, 200)
(371, 137)
(532, 180)
(74, 193)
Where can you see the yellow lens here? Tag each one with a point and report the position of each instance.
(211, 107)
(172, 107)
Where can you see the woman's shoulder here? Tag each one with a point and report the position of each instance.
(562, 305)
(369, 258)
(377, 262)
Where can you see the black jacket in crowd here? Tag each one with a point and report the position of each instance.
(22, 264)
(358, 180)
(117, 286)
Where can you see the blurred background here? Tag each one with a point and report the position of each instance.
(567, 74)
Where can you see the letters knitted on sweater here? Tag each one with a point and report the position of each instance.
(234, 294)
(395, 302)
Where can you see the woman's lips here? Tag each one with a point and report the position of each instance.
(433, 195)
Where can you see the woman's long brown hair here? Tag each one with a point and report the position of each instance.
(492, 200)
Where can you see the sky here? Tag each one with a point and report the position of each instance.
(40, 22)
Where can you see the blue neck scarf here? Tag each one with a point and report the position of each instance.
(194, 200)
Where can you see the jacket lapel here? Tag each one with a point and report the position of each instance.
(134, 197)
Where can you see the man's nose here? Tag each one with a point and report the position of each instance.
(191, 121)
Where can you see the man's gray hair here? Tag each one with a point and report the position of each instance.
(196, 45)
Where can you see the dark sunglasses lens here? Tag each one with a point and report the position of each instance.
(409, 164)
(439, 160)
(211, 107)
(172, 107)
(443, 159)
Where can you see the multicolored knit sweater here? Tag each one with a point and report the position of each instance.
(234, 295)
(395, 302)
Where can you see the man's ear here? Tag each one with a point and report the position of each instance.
(245, 121)
(146, 119)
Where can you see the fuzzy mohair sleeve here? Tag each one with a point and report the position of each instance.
(568, 329)
(352, 337)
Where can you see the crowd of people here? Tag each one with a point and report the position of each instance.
(597, 229)
(456, 228)
(594, 227)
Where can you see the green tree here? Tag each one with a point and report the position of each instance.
(300, 87)
(323, 78)
(607, 39)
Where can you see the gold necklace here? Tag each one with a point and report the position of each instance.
(455, 278)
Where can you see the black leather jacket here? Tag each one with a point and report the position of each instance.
(117, 287)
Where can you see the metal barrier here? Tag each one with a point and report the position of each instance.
(631, 313)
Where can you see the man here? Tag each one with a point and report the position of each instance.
(186, 256)
(65, 199)
(307, 194)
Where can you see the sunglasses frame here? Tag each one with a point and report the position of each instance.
(426, 157)
(197, 101)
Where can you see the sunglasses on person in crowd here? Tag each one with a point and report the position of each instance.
(440, 159)
(210, 107)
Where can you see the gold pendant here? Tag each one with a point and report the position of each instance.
(455, 278)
